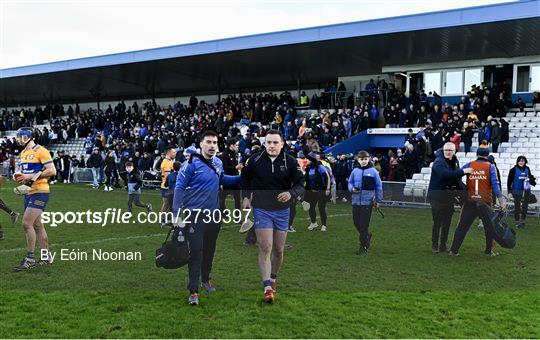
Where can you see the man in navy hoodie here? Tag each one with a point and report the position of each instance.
(197, 193)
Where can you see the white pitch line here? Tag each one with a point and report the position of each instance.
(11, 250)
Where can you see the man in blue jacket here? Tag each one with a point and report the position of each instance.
(444, 182)
(197, 194)
(366, 188)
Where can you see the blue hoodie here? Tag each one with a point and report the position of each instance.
(367, 181)
(197, 186)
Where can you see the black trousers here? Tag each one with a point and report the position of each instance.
(342, 187)
(469, 212)
(520, 207)
(361, 219)
(202, 238)
(235, 193)
(441, 213)
(315, 198)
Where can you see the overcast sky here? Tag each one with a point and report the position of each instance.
(35, 32)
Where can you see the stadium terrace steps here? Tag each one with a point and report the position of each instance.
(524, 140)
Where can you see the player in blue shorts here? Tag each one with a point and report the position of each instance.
(36, 166)
(270, 179)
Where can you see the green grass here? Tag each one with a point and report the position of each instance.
(399, 290)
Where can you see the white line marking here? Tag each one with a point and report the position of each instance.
(11, 250)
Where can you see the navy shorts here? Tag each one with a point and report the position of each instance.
(164, 193)
(38, 201)
(266, 219)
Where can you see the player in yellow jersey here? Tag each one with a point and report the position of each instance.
(36, 166)
(167, 166)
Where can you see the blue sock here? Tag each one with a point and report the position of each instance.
(266, 283)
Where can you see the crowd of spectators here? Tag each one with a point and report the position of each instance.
(141, 133)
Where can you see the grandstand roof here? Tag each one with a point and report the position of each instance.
(278, 60)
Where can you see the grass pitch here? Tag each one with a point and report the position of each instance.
(400, 289)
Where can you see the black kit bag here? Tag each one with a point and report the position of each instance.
(503, 234)
(174, 253)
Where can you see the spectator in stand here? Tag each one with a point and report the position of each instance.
(304, 99)
(505, 131)
(484, 133)
(536, 98)
(456, 140)
(495, 137)
(373, 117)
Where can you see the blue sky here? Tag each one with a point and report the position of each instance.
(35, 32)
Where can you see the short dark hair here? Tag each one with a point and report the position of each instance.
(176, 166)
(362, 154)
(275, 132)
(209, 133)
(129, 164)
(232, 141)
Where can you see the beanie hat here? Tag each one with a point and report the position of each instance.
(483, 151)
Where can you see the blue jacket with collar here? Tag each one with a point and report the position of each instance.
(197, 185)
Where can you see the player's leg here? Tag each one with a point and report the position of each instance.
(43, 240)
(323, 199)
(485, 217)
(195, 238)
(281, 226)
(265, 240)
(278, 251)
(29, 218)
(164, 206)
(312, 198)
(264, 230)
(466, 218)
(209, 248)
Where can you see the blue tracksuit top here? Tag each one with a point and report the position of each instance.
(197, 185)
(368, 182)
